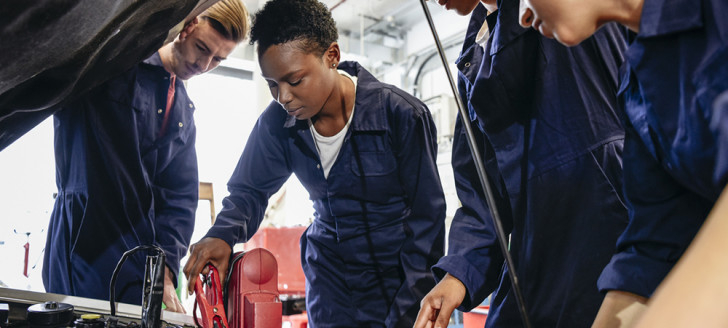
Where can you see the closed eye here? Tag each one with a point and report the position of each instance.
(201, 48)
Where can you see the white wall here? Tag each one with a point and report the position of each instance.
(448, 24)
(27, 184)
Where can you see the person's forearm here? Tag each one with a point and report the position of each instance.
(620, 310)
(694, 293)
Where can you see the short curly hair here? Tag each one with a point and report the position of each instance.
(281, 21)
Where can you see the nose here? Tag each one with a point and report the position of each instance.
(284, 95)
(525, 14)
(204, 63)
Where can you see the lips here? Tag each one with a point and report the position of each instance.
(293, 112)
(192, 70)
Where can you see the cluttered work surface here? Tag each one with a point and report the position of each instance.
(15, 305)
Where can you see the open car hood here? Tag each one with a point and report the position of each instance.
(54, 50)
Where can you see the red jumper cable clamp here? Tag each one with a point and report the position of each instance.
(210, 299)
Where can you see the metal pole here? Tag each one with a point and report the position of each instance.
(484, 181)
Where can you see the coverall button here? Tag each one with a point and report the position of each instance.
(467, 64)
(190, 105)
(180, 124)
(318, 166)
(159, 111)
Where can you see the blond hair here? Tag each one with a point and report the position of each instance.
(230, 18)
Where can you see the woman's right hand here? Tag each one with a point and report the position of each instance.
(208, 250)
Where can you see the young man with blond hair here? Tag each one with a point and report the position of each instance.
(126, 165)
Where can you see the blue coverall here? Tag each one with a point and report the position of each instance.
(547, 122)
(119, 185)
(677, 66)
(379, 217)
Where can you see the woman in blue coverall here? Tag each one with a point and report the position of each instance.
(364, 150)
(547, 121)
(674, 165)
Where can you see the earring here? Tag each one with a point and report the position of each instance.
(333, 65)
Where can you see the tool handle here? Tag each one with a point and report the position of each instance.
(25, 265)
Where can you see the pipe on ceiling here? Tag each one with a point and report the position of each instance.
(336, 5)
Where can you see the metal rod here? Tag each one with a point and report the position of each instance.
(484, 181)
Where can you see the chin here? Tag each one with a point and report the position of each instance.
(570, 39)
(186, 76)
(464, 11)
(569, 42)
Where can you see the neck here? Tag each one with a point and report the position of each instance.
(628, 13)
(490, 5)
(336, 112)
(165, 54)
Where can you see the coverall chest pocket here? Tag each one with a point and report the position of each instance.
(375, 174)
(127, 104)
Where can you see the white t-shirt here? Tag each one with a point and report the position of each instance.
(329, 147)
(483, 33)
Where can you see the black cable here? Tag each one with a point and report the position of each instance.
(234, 260)
(112, 283)
(484, 181)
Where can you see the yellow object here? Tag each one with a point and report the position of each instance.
(90, 316)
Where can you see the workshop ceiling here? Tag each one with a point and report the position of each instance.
(378, 17)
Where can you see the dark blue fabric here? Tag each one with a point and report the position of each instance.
(119, 186)
(547, 123)
(677, 67)
(379, 217)
(720, 124)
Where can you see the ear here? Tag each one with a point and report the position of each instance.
(189, 27)
(332, 56)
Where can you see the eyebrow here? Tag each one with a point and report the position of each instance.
(284, 77)
(204, 45)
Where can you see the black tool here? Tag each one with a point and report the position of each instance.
(153, 285)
